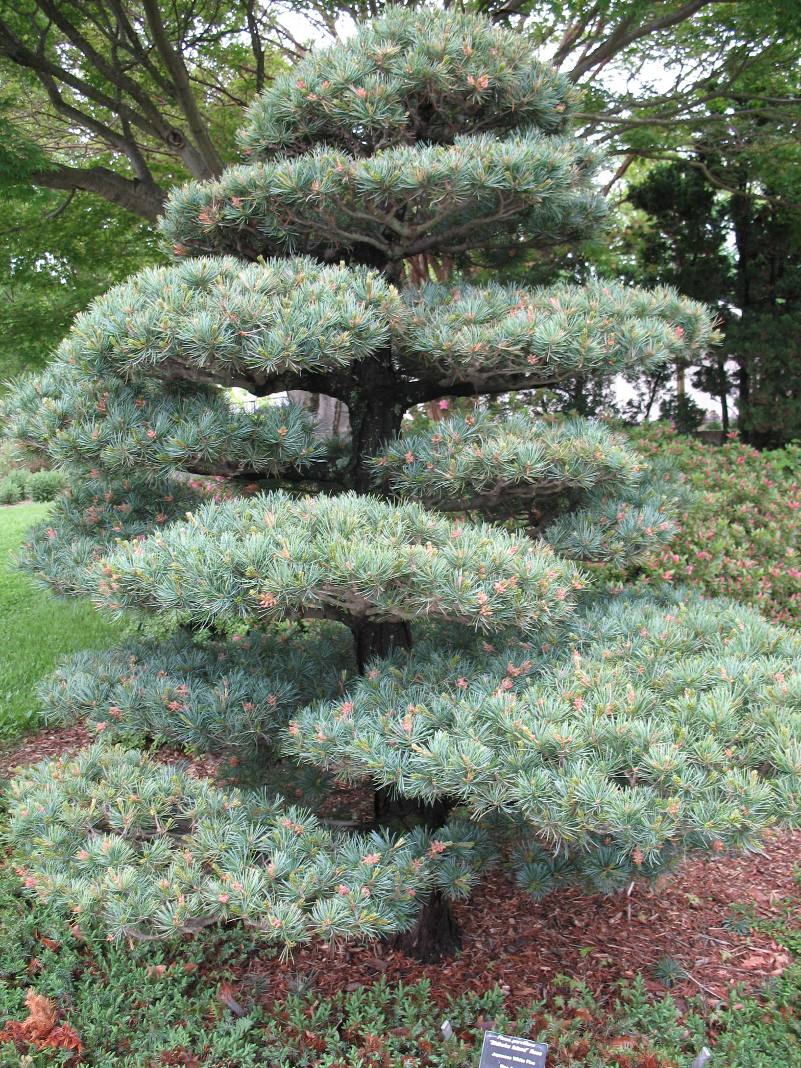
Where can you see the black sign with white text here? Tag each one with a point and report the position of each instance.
(500, 1051)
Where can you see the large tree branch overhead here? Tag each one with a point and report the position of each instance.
(132, 93)
(140, 198)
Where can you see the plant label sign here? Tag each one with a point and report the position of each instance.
(500, 1051)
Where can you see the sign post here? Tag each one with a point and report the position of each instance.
(500, 1051)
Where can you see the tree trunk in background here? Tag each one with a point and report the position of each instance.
(681, 381)
(723, 394)
(330, 415)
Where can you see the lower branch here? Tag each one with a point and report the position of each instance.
(140, 198)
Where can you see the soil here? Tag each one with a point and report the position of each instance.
(691, 920)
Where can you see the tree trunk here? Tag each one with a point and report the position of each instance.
(723, 393)
(434, 936)
(681, 379)
(331, 418)
(376, 406)
(406, 813)
(375, 639)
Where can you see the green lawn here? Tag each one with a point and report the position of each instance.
(37, 628)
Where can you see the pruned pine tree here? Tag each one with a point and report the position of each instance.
(366, 608)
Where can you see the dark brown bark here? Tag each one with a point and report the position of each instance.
(376, 404)
(143, 199)
(377, 639)
(435, 936)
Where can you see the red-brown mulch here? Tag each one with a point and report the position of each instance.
(44, 744)
(61, 741)
(523, 946)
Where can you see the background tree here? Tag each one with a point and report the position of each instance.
(734, 241)
(55, 260)
(379, 627)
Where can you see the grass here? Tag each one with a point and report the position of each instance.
(38, 629)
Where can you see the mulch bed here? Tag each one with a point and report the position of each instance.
(43, 745)
(62, 741)
(523, 946)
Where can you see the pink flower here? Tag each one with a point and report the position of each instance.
(371, 859)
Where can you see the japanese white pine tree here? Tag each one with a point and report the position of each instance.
(410, 612)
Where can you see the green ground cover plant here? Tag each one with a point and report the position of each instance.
(38, 629)
(147, 1005)
(740, 535)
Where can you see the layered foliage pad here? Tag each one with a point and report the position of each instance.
(63, 553)
(426, 76)
(84, 421)
(221, 321)
(478, 193)
(497, 337)
(643, 733)
(463, 463)
(427, 132)
(154, 852)
(286, 324)
(586, 492)
(351, 558)
(205, 695)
